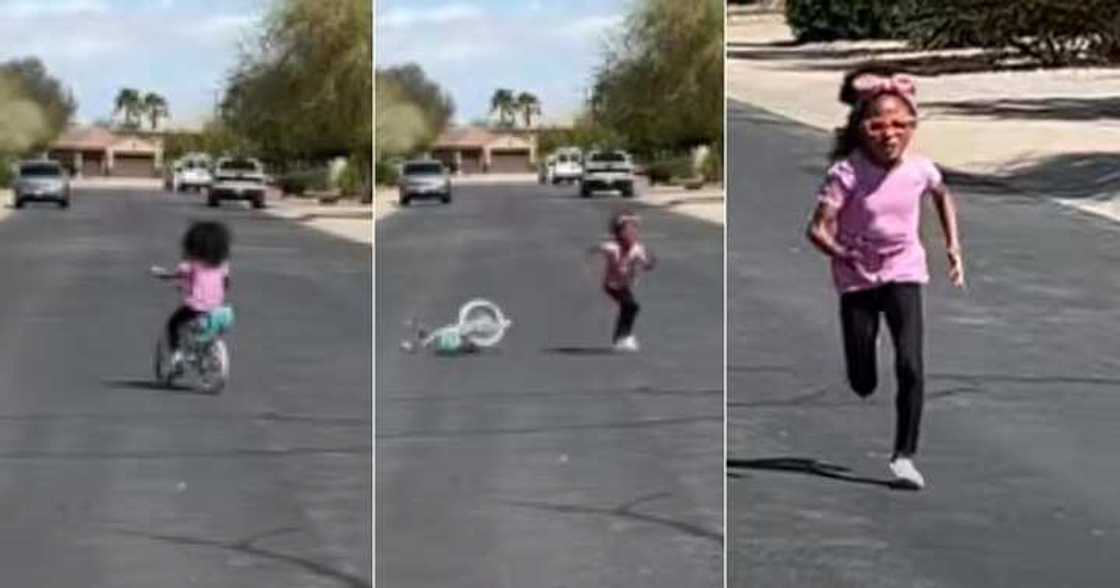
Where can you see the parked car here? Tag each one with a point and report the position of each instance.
(567, 167)
(192, 173)
(424, 179)
(41, 181)
(237, 178)
(607, 170)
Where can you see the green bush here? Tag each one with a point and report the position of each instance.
(386, 173)
(6, 174)
(297, 183)
(666, 170)
(712, 168)
(831, 20)
(1050, 32)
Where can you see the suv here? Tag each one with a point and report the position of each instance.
(191, 172)
(607, 170)
(41, 180)
(566, 167)
(237, 178)
(424, 179)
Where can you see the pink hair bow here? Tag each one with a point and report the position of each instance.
(870, 86)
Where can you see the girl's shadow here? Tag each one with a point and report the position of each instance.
(581, 351)
(812, 467)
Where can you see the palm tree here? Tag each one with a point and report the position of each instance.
(128, 101)
(505, 105)
(528, 105)
(155, 106)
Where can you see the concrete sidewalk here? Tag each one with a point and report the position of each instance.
(347, 219)
(1051, 133)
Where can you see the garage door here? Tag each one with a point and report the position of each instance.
(506, 162)
(134, 166)
(91, 164)
(472, 162)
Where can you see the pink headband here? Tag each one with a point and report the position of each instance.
(871, 86)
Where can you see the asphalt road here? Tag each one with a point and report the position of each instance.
(1019, 437)
(107, 480)
(549, 462)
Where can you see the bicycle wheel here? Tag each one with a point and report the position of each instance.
(482, 322)
(213, 369)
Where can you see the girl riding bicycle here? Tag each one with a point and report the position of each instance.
(203, 275)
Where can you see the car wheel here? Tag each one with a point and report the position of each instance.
(64, 204)
(19, 203)
(404, 200)
(628, 192)
(258, 202)
(212, 202)
(584, 193)
(446, 199)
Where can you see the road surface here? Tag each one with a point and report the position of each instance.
(108, 480)
(551, 461)
(1023, 393)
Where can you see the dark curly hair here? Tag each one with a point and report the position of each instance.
(208, 242)
(619, 220)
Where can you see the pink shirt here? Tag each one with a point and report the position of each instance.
(622, 268)
(879, 212)
(204, 287)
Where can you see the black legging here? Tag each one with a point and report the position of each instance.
(180, 317)
(901, 303)
(627, 311)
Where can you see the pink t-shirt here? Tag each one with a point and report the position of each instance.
(622, 268)
(879, 213)
(204, 287)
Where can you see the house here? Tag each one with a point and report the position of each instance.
(98, 151)
(472, 150)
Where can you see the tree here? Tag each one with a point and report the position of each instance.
(304, 90)
(528, 105)
(155, 107)
(402, 126)
(409, 85)
(661, 83)
(504, 103)
(129, 102)
(27, 81)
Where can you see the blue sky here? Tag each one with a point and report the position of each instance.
(181, 49)
(472, 47)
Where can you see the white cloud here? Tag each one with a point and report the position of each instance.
(406, 17)
(26, 9)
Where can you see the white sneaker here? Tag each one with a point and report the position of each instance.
(906, 474)
(628, 343)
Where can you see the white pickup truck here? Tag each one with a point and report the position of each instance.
(607, 170)
(237, 178)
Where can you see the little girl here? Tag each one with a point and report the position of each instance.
(203, 275)
(867, 221)
(623, 255)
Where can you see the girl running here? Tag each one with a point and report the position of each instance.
(866, 221)
(624, 255)
(203, 275)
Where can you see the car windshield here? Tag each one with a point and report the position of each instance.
(609, 156)
(40, 170)
(239, 165)
(412, 169)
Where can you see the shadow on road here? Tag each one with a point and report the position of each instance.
(626, 510)
(1086, 176)
(809, 466)
(152, 386)
(579, 351)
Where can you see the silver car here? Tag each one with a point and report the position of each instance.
(238, 178)
(42, 181)
(424, 179)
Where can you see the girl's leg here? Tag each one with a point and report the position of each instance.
(628, 312)
(859, 321)
(903, 307)
(180, 317)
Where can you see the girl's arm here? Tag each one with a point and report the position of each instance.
(822, 229)
(947, 215)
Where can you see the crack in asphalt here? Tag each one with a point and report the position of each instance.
(454, 434)
(246, 547)
(626, 511)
